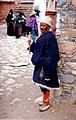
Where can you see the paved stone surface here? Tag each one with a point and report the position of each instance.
(17, 92)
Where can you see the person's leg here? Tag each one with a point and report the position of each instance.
(34, 36)
(46, 95)
(46, 99)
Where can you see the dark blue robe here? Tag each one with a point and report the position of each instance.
(10, 24)
(45, 57)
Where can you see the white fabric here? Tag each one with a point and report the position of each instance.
(41, 5)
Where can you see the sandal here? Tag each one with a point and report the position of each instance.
(44, 108)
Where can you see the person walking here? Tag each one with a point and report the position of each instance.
(32, 25)
(10, 19)
(45, 58)
(38, 19)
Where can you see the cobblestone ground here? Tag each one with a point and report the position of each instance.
(17, 92)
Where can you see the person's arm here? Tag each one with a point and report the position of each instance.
(32, 46)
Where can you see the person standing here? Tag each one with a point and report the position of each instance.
(45, 58)
(32, 25)
(19, 22)
(41, 6)
(38, 19)
(10, 19)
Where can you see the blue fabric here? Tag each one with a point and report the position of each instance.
(45, 55)
(33, 33)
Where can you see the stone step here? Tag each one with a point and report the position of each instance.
(25, 6)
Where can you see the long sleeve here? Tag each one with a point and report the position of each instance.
(32, 47)
(46, 52)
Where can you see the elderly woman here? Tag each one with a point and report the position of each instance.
(45, 57)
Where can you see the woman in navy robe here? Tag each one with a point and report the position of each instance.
(45, 58)
(10, 19)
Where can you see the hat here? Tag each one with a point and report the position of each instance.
(47, 20)
(33, 13)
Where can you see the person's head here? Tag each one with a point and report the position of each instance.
(20, 13)
(33, 14)
(37, 11)
(11, 11)
(45, 24)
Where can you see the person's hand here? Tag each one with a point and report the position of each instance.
(29, 40)
(19, 21)
(22, 20)
(12, 18)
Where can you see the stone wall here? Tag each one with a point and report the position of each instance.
(67, 43)
(24, 6)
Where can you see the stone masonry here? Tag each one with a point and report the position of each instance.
(67, 46)
(24, 6)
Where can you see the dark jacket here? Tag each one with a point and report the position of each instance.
(10, 18)
(10, 24)
(45, 56)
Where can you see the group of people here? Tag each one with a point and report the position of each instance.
(45, 51)
(19, 25)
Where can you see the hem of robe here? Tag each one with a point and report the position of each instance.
(44, 86)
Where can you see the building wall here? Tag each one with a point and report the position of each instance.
(4, 8)
(18, 5)
(67, 46)
(24, 6)
(67, 38)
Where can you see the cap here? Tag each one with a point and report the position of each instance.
(33, 13)
(47, 20)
